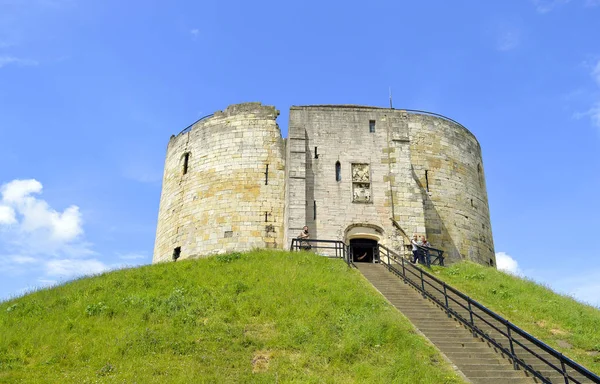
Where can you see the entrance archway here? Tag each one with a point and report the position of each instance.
(364, 250)
(363, 240)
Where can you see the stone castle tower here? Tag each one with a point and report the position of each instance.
(232, 183)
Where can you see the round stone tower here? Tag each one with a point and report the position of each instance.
(367, 173)
(223, 185)
(447, 162)
(348, 172)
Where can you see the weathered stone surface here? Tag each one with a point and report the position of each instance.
(223, 202)
(425, 172)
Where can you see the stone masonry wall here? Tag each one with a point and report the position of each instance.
(342, 134)
(426, 172)
(456, 205)
(222, 203)
(423, 171)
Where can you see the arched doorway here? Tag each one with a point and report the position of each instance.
(364, 250)
(363, 240)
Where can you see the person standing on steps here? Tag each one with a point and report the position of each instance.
(303, 236)
(415, 248)
(424, 252)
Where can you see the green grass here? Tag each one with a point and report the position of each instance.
(553, 318)
(261, 317)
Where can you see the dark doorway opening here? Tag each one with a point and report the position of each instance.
(364, 251)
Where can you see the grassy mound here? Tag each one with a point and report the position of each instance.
(258, 317)
(560, 321)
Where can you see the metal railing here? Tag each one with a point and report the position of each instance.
(430, 256)
(327, 248)
(525, 351)
(189, 127)
(419, 112)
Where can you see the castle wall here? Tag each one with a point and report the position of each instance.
(456, 204)
(222, 203)
(424, 172)
(328, 206)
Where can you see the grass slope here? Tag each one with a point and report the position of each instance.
(560, 321)
(253, 318)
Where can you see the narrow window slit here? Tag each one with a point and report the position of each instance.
(266, 217)
(427, 180)
(316, 154)
(186, 160)
(314, 210)
(267, 175)
(372, 126)
(338, 171)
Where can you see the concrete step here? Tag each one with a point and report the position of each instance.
(488, 371)
(479, 362)
(500, 380)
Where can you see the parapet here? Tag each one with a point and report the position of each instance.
(254, 108)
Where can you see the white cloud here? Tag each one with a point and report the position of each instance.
(17, 190)
(545, 6)
(506, 263)
(7, 215)
(588, 292)
(37, 216)
(7, 60)
(584, 286)
(508, 40)
(132, 256)
(37, 239)
(74, 267)
(19, 259)
(195, 33)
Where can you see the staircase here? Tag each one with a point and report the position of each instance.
(474, 358)
(485, 347)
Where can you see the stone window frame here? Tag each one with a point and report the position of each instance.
(185, 162)
(372, 124)
(352, 182)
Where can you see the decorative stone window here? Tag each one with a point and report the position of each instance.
(361, 183)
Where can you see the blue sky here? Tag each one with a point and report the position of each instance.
(91, 90)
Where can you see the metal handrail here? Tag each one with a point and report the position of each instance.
(413, 111)
(189, 127)
(419, 112)
(340, 249)
(420, 280)
(427, 253)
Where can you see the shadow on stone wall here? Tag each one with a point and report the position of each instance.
(437, 232)
(310, 191)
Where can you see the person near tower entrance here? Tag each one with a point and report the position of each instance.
(303, 236)
(415, 242)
